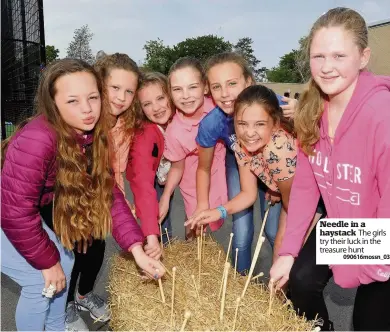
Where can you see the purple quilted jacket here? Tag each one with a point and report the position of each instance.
(27, 183)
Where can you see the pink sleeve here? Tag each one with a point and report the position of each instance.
(304, 199)
(174, 150)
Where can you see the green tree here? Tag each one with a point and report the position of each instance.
(160, 57)
(79, 48)
(51, 53)
(244, 47)
(293, 67)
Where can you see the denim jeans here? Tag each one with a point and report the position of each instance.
(243, 225)
(167, 221)
(35, 312)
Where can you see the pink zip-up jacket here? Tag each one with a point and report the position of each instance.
(352, 175)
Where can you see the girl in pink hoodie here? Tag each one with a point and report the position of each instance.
(345, 158)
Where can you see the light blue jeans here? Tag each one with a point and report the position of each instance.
(243, 225)
(34, 311)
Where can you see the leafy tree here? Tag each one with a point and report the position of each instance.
(293, 67)
(244, 47)
(79, 48)
(160, 57)
(51, 53)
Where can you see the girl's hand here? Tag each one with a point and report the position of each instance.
(54, 276)
(272, 197)
(291, 107)
(203, 218)
(163, 208)
(150, 266)
(153, 247)
(280, 271)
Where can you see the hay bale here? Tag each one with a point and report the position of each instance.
(137, 304)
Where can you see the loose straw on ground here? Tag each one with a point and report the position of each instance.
(226, 274)
(257, 252)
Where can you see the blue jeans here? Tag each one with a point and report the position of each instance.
(167, 221)
(243, 226)
(34, 311)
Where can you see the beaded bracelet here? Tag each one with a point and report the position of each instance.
(223, 211)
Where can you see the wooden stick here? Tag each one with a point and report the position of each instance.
(230, 245)
(200, 253)
(161, 237)
(257, 252)
(226, 273)
(219, 255)
(166, 270)
(187, 316)
(196, 288)
(235, 314)
(271, 298)
(166, 231)
(161, 290)
(173, 293)
(198, 242)
(235, 264)
(258, 276)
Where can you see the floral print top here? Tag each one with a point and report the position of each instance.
(277, 161)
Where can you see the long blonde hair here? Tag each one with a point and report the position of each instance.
(311, 102)
(82, 201)
(103, 66)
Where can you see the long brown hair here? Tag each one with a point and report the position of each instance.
(261, 95)
(103, 66)
(82, 201)
(311, 102)
(147, 79)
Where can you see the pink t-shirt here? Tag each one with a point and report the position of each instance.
(180, 144)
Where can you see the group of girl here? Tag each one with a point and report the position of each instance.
(225, 141)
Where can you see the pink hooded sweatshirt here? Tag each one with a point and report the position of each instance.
(352, 175)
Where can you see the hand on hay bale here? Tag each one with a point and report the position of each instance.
(153, 248)
(280, 271)
(203, 218)
(150, 266)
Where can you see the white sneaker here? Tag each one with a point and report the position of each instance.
(73, 321)
(95, 305)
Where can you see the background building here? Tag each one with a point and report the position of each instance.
(379, 42)
(22, 59)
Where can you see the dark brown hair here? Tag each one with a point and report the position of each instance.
(261, 95)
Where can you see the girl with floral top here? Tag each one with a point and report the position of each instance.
(266, 149)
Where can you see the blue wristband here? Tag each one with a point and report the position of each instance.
(222, 211)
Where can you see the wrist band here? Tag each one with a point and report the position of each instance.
(222, 211)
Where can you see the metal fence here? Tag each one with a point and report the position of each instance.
(22, 59)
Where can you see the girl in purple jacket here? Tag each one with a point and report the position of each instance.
(56, 167)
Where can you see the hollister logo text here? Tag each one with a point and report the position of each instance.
(344, 175)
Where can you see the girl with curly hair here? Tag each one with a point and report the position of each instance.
(56, 167)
